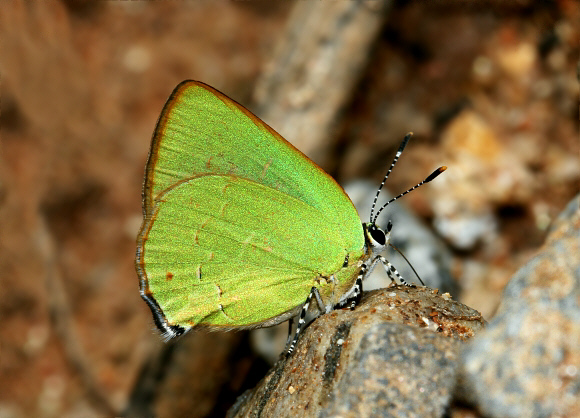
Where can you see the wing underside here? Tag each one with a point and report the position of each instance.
(218, 250)
(202, 131)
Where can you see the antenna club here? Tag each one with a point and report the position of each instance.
(402, 146)
(435, 173)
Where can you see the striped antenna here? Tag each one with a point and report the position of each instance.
(431, 176)
(397, 155)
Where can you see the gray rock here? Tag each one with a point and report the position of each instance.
(397, 371)
(394, 355)
(527, 362)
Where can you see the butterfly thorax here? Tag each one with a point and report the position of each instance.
(335, 287)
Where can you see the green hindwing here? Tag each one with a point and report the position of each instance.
(224, 251)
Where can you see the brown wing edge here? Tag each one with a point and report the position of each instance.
(168, 330)
(147, 190)
(160, 126)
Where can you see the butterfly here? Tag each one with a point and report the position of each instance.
(240, 229)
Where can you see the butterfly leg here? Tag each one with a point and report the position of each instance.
(353, 296)
(356, 297)
(290, 326)
(392, 272)
(302, 321)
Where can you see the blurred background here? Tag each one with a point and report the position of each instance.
(490, 89)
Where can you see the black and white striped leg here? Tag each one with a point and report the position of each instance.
(358, 286)
(355, 293)
(356, 297)
(302, 321)
(290, 325)
(392, 272)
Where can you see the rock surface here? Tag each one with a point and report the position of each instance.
(527, 362)
(395, 354)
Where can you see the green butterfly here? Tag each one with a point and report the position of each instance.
(239, 226)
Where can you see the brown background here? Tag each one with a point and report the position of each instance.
(491, 91)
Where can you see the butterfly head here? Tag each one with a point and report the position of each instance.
(377, 239)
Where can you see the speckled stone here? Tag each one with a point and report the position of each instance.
(396, 371)
(527, 362)
(396, 353)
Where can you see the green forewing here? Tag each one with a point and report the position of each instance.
(237, 217)
(201, 131)
(220, 240)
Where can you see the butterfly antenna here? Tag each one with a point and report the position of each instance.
(397, 155)
(431, 176)
(410, 265)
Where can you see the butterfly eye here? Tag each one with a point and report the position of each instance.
(378, 235)
(345, 264)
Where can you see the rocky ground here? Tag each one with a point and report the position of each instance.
(490, 90)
